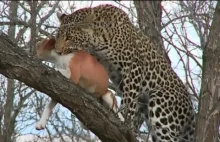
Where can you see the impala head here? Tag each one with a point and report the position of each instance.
(44, 47)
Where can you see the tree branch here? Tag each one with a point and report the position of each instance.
(16, 64)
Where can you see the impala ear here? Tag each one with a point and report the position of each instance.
(41, 43)
(60, 15)
(50, 43)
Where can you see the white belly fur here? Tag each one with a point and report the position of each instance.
(62, 63)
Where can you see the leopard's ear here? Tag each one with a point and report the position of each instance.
(87, 24)
(87, 21)
(60, 16)
(90, 18)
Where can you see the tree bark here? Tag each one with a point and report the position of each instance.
(149, 15)
(8, 128)
(33, 5)
(209, 102)
(16, 64)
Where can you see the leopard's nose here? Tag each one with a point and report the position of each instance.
(58, 51)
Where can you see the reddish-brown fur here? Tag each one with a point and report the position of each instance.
(88, 72)
(85, 70)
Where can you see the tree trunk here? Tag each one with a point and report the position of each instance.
(209, 101)
(149, 15)
(16, 64)
(33, 5)
(8, 128)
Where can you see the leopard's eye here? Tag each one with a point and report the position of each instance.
(65, 38)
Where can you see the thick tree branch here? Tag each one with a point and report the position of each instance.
(16, 64)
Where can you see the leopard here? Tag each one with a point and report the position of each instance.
(151, 90)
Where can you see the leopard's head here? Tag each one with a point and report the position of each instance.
(72, 35)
